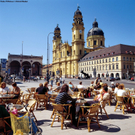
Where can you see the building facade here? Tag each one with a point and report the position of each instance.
(66, 57)
(25, 65)
(115, 61)
(45, 68)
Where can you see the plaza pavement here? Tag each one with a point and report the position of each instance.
(116, 124)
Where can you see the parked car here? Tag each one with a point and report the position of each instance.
(117, 78)
(112, 79)
(132, 78)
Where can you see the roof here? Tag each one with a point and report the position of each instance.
(50, 65)
(110, 51)
(24, 56)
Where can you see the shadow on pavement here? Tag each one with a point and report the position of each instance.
(114, 116)
(43, 122)
(19, 83)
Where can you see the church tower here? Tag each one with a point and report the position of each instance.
(56, 42)
(77, 41)
(95, 37)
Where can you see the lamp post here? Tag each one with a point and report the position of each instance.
(48, 56)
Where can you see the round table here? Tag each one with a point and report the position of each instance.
(52, 93)
(17, 106)
(6, 96)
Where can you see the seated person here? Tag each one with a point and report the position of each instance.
(46, 89)
(80, 86)
(40, 89)
(15, 91)
(122, 93)
(4, 113)
(58, 87)
(91, 85)
(71, 86)
(100, 97)
(101, 83)
(112, 85)
(98, 86)
(116, 88)
(63, 96)
(4, 89)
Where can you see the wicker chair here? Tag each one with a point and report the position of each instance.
(41, 100)
(60, 111)
(91, 112)
(53, 102)
(83, 92)
(102, 106)
(120, 102)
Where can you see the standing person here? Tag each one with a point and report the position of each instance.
(4, 89)
(51, 79)
(61, 80)
(16, 90)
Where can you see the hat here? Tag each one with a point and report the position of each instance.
(112, 82)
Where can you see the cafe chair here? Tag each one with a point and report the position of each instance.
(41, 100)
(120, 102)
(53, 102)
(83, 92)
(63, 112)
(102, 107)
(89, 112)
(5, 127)
(26, 98)
(30, 108)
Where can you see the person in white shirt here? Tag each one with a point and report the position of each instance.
(126, 98)
(80, 86)
(4, 89)
(116, 88)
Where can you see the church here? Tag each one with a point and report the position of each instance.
(65, 56)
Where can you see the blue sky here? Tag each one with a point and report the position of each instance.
(32, 21)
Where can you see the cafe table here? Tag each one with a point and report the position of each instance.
(6, 96)
(17, 106)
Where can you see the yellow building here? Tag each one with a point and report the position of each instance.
(115, 61)
(66, 57)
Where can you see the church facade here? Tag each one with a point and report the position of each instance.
(65, 56)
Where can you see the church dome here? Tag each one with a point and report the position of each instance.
(57, 28)
(95, 30)
(78, 12)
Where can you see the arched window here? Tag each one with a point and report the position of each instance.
(80, 36)
(101, 43)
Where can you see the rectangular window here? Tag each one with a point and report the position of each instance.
(117, 66)
(124, 58)
(130, 59)
(113, 67)
(127, 66)
(103, 60)
(112, 59)
(127, 58)
(130, 66)
(97, 61)
(95, 42)
(109, 67)
(100, 61)
(124, 67)
(106, 60)
(116, 58)
(109, 60)
(80, 52)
